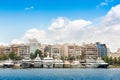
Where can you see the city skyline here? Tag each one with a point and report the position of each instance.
(60, 21)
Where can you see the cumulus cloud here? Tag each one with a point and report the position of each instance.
(63, 30)
(16, 41)
(109, 29)
(64, 24)
(35, 33)
(3, 44)
(113, 16)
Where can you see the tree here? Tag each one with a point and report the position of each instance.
(71, 57)
(79, 57)
(12, 55)
(32, 56)
(38, 52)
(110, 61)
(18, 58)
(105, 58)
(3, 57)
(115, 60)
(62, 57)
(118, 61)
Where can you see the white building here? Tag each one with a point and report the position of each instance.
(34, 45)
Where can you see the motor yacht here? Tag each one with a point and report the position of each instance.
(8, 63)
(38, 62)
(58, 63)
(66, 64)
(75, 64)
(48, 62)
(101, 63)
(27, 63)
(90, 63)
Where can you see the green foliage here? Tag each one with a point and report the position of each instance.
(12, 55)
(105, 58)
(62, 58)
(118, 60)
(71, 58)
(38, 52)
(115, 60)
(3, 57)
(32, 56)
(79, 57)
(18, 58)
(111, 61)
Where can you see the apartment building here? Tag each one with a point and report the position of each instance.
(90, 51)
(57, 50)
(20, 49)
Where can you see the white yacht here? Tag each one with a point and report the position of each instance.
(38, 62)
(66, 64)
(90, 63)
(75, 64)
(27, 63)
(48, 62)
(101, 63)
(58, 63)
(8, 64)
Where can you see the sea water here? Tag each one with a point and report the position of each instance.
(60, 74)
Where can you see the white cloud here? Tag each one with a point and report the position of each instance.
(64, 24)
(3, 44)
(29, 8)
(65, 30)
(35, 33)
(16, 41)
(108, 30)
(113, 16)
(104, 3)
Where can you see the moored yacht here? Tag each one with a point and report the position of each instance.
(76, 64)
(8, 64)
(58, 63)
(48, 62)
(66, 64)
(27, 63)
(101, 63)
(90, 63)
(38, 62)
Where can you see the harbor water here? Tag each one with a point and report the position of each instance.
(59, 74)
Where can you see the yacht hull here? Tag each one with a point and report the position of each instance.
(58, 65)
(75, 66)
(91, 65)
(48, 65)
(26, 65)
(103, 65)
(8, 66)
(38, 65)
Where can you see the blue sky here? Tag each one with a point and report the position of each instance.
(18, 16)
